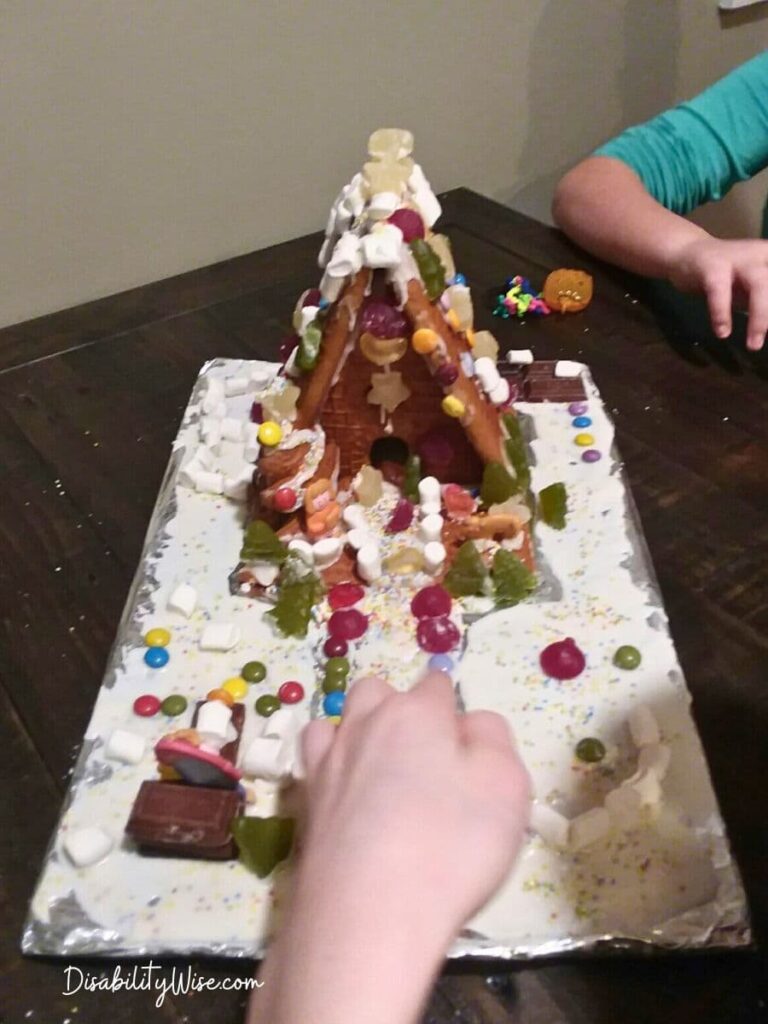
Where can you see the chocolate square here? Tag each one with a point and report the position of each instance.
(173, 819)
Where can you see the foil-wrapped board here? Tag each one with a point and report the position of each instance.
(667, 882)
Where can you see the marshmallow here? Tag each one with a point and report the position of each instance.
(235, 386)
(346, 258)
(210, 431)
(303, 317)
(326, 249)
(87, 845)
(219, 636)
(369, 562)
(423, 196)
(434, 556)
(209, 483)
(330, 289)
(643, 727)
(204, 456)
(353, 200)
(623, 805)
(251, 438)
(236, 487)
(500, 393)
(259, 379)
(360, 538)
(231, 429)
(213, 719)
(214, 395)
(327, 551)
(430, 508)
(383, 205)
(183, 600)
(588, 828)
(125, 746)
(567, 368)
(486, 373)
(265, 572)
(382, 247)
(431, 528)
(266, 758)
(188, 473)
(354, 517)
(467, 364)
(282, 724)
(552, 826)
(303, 549)
(655, 758)
(429, 490)
(520, 356)
(647, 786)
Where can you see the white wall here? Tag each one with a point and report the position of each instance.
(141, 138)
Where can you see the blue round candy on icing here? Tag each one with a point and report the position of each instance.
(440, 663)
(323, 304)
(333, 703)
(582, 421)
(156, 657)
(459, 279)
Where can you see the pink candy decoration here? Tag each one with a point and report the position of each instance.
(335, 647)
(402, 517)
(447, 374)
(383, 320)
(437, 636)
(147, 705)
(431, 603)
(311, 297)
(344, 595)
(563, 659)
(347, 624)
(409, 222)
(459, 504)
(291, 692)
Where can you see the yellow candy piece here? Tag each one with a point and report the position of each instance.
(485, 345)
(394, 143)
(424, 341)
(584, 440)
(453, 406)
(236, 686)
(453, 319)
(404, 562)
(470, 336)
(270, 433)
(167, 774)
(334, 718)
(157, 637)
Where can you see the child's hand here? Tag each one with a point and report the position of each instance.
(721, 269)
(426, 805)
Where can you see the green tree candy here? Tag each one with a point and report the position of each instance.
(261, 544)
(468, 575)
(512, 581)
(431, 270)
(553, 505)
(412, 478)
(263, 842)
(497, 485)
(516, 451)
(309, 346)
(293, 608)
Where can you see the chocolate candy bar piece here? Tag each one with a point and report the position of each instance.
(176, 820)
(540, 368)
(229, 750)
(556, 389)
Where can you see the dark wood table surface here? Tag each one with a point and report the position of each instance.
(90, 400)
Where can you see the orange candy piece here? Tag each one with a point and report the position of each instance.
(223, 695)
(568, 291)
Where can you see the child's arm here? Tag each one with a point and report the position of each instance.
(416, 814)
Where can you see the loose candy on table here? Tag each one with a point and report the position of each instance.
(174, 705)
(266, 705)
(146, 706)
(156, 657)
(253, 672)
(627, 657)
(221, 695)
(344, 595)
(431, 602)
(87, 846)
(236, 686)
(290, 692)
(347, 624)
(333, 703)
(563, 659)
(438, 635)
(441, 663)
(553, 505)
(125, 746)
(518, 299)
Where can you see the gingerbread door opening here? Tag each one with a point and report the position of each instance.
(389, 449)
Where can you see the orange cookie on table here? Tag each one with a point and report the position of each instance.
(567, 291)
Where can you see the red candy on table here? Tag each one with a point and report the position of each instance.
(291, 692)
(431, 603)
(409, 222)
(347, 624)
(284, 499)
(402, 517)
(335, 647)
(437, 636)
(344, 595)
(147, 705)
(563, 659)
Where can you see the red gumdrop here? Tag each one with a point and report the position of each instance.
(291, 692)
(147, 705)
(287, 345)
(431, 602)
(311, 297)
(437, 636)
(447, 374)
(563, 659)
(344, 595)
(383, 320)
(347, 624)
(402, 517)
(458, 503)
(335, 647)
(284, 499)
(257, 413)
(409, 222)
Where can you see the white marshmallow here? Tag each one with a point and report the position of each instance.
(434, 556)
(236, 487)
(282, 724)
(205, 457)
(643, 727)
(183, 600)
(330, 289)
(486, 373)
(235, 386)
(214, 719)
(500, 393)
(383, 205)
(303, 317)
(327, 551)
(209, 483)
(214, 395)
(354, 517)
(429, 489)
(588, 828)
(327, 247)
(520, 356)
(552, 826)
(210, 431)
(86, 846)
(259, 379)
(647, 786)
(369, 562)
(423, 196)
(567, 368)
(231, 429)
(303, 549)
(353, 200)
(430, 508)
(346, 258)
(188, 473)
(266, 758)
(431, 528)
(623, 804)
(382, 247)
(125, 746)
(360, 538)
(219, 636)
(655, 758)
(251, 438)
(265, 572)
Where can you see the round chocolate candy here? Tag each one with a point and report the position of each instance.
(267, 705)
(347, 624)
(591, 455)
(156, 657)
(590, 750)
(174, 705)
(219, 693)
(147, 705)
(333, 703)
(237, 687)
(562, 659)
(270, 434)
(577, 408)
(335, 647)
(253, 672)
(447, 374)
(334, 684)
(291, 692)
(157, 637)
(431, 602)
(581, 421)
(337, 668)
(441, 663)
(584, 440)
(284, 499)
(627, 657)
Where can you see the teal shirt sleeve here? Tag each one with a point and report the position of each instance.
(697, 151)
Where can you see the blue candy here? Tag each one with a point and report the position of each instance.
(440, 663)
(156, 657)
(459, 279)
(582, 421)
(323, 304)
(333, 703)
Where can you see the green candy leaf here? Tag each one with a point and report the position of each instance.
(512, 581)
(431, 270)
(497, 485)
(263, 842)
(412, 478)
(516, 451)
(309, 346)
(293, 609)
(468, 575)
(261, 544)
(553, 505)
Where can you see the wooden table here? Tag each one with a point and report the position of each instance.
(90, 400)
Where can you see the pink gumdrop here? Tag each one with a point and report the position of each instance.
(287, 345)
(402, 517)
(459, 504)
(431, 603)
(344, 595)
(437, 636)
(311, 297)
(409, 222)
(335, 647)
(563, 659)
(383, 320)
(347, 624)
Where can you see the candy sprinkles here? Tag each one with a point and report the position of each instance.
(393, 497)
